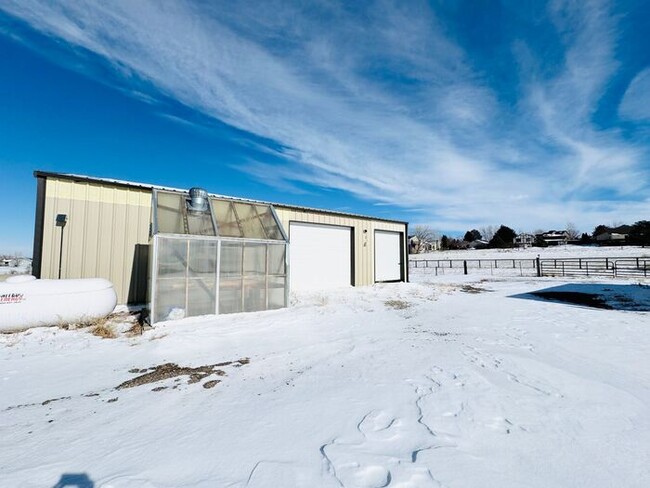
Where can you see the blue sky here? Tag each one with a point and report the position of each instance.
(452, 114)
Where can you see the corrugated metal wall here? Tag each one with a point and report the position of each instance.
(364, 244)
(106, 235)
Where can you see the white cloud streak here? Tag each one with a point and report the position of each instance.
(380, 102)
(636, 101)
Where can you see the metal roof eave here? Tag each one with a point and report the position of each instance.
(151, 187)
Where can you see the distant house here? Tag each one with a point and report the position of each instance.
(554, 237)
(610, 236)
(524, 240)
(8, 262)
(478, 244)
(415, 246)
(614, 236)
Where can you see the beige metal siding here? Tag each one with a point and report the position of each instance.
(364, 244)
(106, 236)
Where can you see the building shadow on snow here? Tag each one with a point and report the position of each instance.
(633, 297)
(74, 480)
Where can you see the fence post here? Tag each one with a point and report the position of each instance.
(606, 263)
(539, 269)
(579, 263)
(587, 265)
(562, 268)
(465, 267)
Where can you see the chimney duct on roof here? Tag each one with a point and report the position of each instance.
(198, 201)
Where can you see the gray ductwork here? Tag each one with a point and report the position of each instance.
(198, 201)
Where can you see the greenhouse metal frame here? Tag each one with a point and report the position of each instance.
(227, 256)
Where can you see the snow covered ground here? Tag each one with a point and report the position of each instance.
(24, 266)
(568, 251)
(455, 383)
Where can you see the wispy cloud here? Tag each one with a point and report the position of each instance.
(382, 100)
(636, 101)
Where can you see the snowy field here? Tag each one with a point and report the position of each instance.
(24, 267)
(465, 383)
(569, 251)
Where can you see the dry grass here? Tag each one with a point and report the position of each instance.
(397, 304)
(104, 329)
(107, 327)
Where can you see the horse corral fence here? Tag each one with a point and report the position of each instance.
(611, 267)
(628, 267)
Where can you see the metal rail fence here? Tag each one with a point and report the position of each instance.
(611, 267)
(522, 267)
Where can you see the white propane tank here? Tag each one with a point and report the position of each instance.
(27, 302)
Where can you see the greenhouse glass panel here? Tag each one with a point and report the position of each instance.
(226, 219)
(202, 297)
(170, 300)
(170, 286)
(202, 260)
(269, 223)
(231, 259)
(230, 295)
(199, 223)
(249, 221)
(276, 292)
(172, 258)
(202, 277)
(276, 260)
(255, 259)
(254, 294)
(170, 213)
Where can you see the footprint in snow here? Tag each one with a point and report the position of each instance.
(383, 452)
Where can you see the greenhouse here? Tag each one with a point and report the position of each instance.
(214, 255)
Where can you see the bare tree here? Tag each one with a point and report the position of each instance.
(424, 234)
(488, 232)
(572, 231)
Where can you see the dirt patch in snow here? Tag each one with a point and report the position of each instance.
(173, 370)
(397, 304)
(473, 289)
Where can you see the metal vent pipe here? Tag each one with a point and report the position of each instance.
(198, 201)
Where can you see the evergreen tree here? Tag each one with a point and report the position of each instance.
(600, 229)
(503, 238)
(472, 235)
(640, 233)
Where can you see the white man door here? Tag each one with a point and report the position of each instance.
(388, 256)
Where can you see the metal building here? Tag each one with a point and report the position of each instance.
(97, 227)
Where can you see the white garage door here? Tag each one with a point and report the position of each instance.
(388, 257)
(320, 256)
